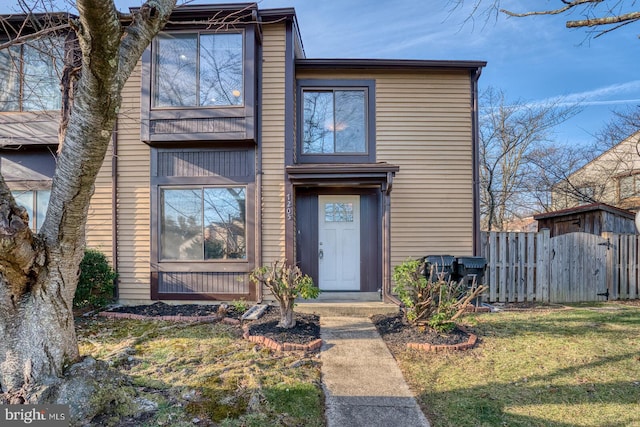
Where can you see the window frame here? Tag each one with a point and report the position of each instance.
(368, 86)
(163, 182)
(20, 58)
(34, 190)
(635, 185)
(202, 187)
(198, 33)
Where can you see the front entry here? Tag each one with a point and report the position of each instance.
(339, 242)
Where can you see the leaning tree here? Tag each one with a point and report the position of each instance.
(39, 272)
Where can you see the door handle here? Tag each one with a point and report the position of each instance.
(321, 254)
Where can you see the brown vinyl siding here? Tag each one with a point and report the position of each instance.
(100, 217)
(133, 198)
(273, 134)
(423, 125)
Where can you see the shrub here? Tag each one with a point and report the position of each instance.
(286, 283)
(96, 282)
(436, 303)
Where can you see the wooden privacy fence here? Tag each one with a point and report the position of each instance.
(571, 267)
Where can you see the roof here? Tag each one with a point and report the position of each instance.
(586, 208)
(388, 64)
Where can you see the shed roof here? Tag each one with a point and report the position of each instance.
(586, 208)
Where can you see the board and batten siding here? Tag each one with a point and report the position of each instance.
(273, 135)
(424, 125)
(133, 199)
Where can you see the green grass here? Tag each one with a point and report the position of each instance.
(208, 372)
(566, 367)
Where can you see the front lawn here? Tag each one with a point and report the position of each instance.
(205, 374)
(577, 366)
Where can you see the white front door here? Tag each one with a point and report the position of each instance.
(339, 243)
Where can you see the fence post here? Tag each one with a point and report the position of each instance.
(612, 265)
(543, 265)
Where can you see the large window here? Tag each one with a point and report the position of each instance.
(207, 223)
(335, 121)
(198, 70)
(29, 75)
(36, 203)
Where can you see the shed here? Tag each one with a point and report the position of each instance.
(596, 218)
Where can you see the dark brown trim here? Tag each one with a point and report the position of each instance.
(352, 175)
(114, 208)
(386, 64)
(475, 161)
(289, 138)
(156, 296)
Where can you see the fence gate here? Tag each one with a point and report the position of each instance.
(578, 267)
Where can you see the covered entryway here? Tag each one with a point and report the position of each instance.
(341, 223)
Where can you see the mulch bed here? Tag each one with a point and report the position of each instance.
(304, 336)
(398, 335)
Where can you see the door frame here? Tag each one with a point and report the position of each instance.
(306, 231)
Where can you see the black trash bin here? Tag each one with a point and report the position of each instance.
(442, 265)
(469, 267)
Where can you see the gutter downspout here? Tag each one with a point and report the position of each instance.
(114, 209)
(475, 159)
(258, 203)
(386, 242)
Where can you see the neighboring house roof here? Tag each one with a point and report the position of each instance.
(586, 208)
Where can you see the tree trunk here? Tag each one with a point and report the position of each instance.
(39, 273)
(287, 320)
(39, 341)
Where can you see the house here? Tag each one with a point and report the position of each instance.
(233, 149)
(612, 178)
(594, 218)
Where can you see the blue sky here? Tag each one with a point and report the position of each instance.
(531, 59)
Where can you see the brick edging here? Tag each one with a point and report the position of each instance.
(116, 315)
(274, 345)
(471, 342)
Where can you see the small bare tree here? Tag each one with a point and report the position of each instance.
(509, 135)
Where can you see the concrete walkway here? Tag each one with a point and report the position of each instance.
(362, 382)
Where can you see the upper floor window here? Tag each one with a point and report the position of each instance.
(334, 121)
(198, 70)
(29, 75)
(337, 121)
(628, 186)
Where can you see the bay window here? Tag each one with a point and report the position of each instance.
(198, 70)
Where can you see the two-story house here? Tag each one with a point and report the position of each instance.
(233, 149)
(612, 178)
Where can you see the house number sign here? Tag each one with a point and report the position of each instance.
(289, 207)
